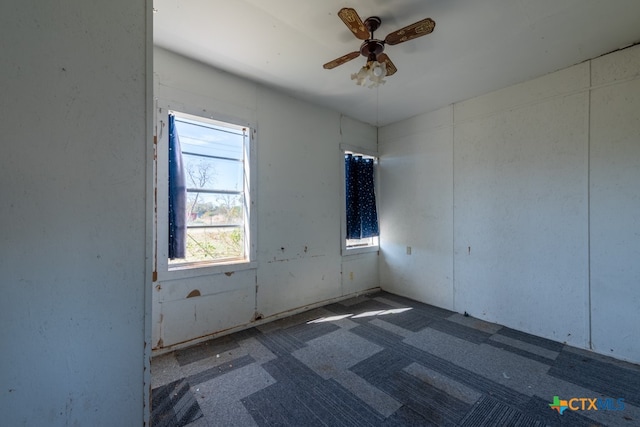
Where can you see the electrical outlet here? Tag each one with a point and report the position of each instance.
(408, 250)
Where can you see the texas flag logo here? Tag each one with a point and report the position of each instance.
(559, 405)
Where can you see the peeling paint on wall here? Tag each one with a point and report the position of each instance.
(194, 293)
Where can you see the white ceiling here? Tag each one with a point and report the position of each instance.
(477, 45)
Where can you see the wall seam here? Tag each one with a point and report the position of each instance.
(377, 186)
(453, 207)
(589, 312)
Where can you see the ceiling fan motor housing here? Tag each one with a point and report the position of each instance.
(372, 23)
(371, 47)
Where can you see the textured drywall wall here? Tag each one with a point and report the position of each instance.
(72, 240)
(527, 201)
(615, 204)
(417, 208)
(298, 207)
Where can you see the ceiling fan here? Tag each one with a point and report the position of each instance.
(378, 63)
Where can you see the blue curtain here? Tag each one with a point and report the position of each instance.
(177, 195)
(362, 216)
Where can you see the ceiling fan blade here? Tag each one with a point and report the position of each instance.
(352, 20)
(410, 32)
(339, 61)
(391, 68)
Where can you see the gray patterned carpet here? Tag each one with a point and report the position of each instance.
(384, 360)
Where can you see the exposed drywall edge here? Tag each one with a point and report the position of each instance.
(185, 344)
(150, 221)
(614, 51)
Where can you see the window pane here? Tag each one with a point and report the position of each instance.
(210, 244)
(203, 138)
(214, 166)
(210, 209)
(212, 174)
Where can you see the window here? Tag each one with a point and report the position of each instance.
(208, 194)
(361, 228)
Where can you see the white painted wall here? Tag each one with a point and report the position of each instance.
(416, 161)
(72, 240)
(524, 210)
(520, 195)
(615, 204)
(298, 207)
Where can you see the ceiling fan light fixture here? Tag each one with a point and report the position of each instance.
(378, 65)
(361, 76)
(371, 75)
(378, 69)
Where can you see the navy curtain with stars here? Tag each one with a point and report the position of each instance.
(362, 216)
(177, 195)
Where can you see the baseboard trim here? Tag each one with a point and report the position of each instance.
(184, 344)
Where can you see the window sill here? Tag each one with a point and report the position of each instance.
(186, 272)
(362, 250)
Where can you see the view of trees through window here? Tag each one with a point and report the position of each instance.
(214, 161)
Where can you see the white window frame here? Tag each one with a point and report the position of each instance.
(345, 250)
(161, 177)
